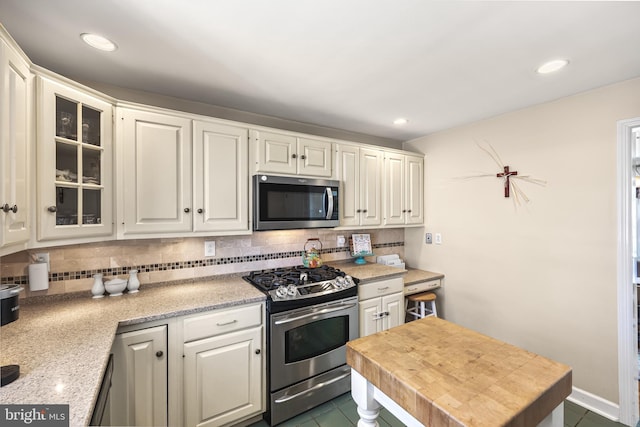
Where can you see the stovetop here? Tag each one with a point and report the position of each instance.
(301, 283)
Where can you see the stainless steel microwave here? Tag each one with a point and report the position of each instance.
(281, 203)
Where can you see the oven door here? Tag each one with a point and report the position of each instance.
(311, 340)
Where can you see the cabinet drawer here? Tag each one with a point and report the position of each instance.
(421, 287)
(379, 288)
(222, 321)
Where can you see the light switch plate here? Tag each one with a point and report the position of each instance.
(340, 241)
(438, 239)
(210, 248)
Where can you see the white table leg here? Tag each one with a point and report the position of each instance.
(555, 418)
(362, 392)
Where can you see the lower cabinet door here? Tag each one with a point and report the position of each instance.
(393, 306)
(139, 383)
(369, 316)
(223, 378)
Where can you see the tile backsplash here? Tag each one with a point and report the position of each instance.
(165, 260)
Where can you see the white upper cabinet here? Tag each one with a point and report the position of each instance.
(154, 172)
(403, 189)
(293, 155)
(15, 104)
(360, 175)
(414, 189)
(74, 163)
(180, 176)
(221, 177)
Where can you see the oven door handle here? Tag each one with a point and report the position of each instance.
(314, 313)
(315, 387)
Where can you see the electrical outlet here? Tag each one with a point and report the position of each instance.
(340, 241)
(438, 239)
(428, 238)
(43, 257)
(210, 248)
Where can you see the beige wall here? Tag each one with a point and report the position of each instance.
(543, 275)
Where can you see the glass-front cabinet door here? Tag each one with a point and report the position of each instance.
(74, 160)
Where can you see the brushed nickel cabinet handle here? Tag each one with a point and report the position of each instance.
(6, 208)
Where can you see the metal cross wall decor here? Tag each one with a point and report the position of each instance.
(506, 175)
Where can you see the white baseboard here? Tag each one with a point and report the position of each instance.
(595, 404)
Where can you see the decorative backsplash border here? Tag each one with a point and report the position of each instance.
(117, 271)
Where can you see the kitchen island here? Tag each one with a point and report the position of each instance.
(435, 373)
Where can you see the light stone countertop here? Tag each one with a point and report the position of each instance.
(371, 271)
(414, 276)
(63, 345)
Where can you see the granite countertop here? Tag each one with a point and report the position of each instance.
(368, 272)
(62, 344)
(371, 271)
(414, 276)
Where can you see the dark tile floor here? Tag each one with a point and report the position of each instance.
(341, 412)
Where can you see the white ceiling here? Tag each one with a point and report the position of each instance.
(348, 64)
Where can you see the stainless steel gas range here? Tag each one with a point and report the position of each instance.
(311, 314)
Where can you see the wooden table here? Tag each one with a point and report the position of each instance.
(435, 373)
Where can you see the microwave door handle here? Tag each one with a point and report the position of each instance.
(330, 203)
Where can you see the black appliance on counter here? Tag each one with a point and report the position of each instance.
(9, 312)
(311, 314)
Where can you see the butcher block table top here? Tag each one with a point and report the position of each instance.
(446, 375)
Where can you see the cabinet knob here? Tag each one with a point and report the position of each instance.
(358, 210)
(294, 156)
(409, 210)
(6, 208)
(187, 210)
(303, 157)
(159, 353)
(364, 210)
(200, 210)
(404, 210)
(258, 351)
(52, 208)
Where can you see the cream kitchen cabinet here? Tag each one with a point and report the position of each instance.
(177, 176)
(15, 137)
(221, 177)
(360, 174)
(139, 391)
(381, 305)
(292, 154)
(74, 162)
(154, 172)
(223, 366)
(403, 189)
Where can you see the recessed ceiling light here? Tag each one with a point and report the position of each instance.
(400, 121)
(98, 42)
(552, 66)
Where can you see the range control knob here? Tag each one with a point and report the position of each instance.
(281, 291)
(340, 282)
(292, 290)
(348, 281)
